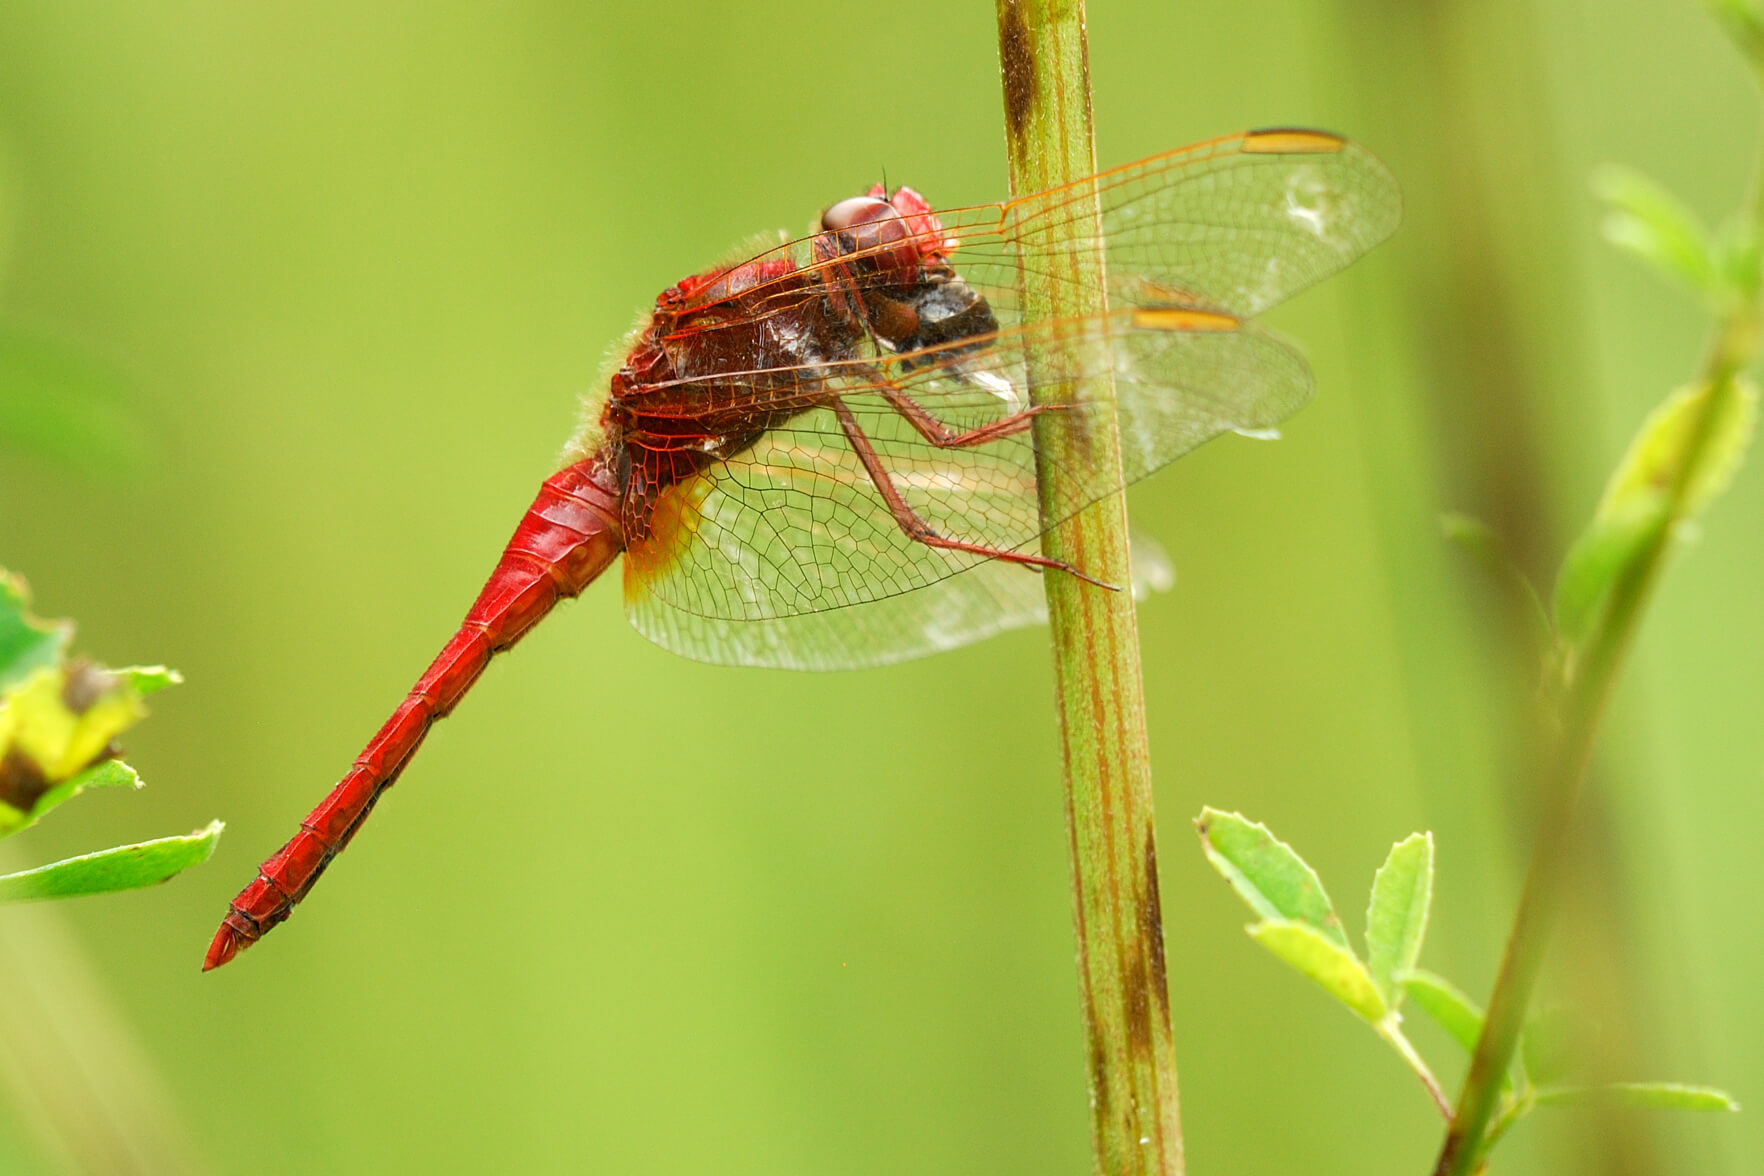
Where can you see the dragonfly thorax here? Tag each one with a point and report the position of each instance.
(946, 310)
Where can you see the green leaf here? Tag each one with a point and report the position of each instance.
(1305, 947)
(1669, 1096)
(1662, 446)
(1739, 251)
(1480, 542)
(1266, 873)
(59, 718)
(145, 680)
(105, 774)
(1637, 500)
(1396, 916)
(1442, 1000)
(26, 643)
(1650, 222)
(126, 867)
(1597, 557)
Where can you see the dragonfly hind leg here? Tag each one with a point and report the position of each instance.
(917, 528)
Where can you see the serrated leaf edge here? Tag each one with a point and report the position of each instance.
(1253, 894)
(1409, 953)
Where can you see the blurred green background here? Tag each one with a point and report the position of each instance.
(329, 279)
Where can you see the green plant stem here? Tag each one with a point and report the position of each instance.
(1515, 1110)
(1587, 678)
(1392, 1031)
(1136, 1127)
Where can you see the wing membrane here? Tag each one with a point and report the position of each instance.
(1236, 224)
(784, 538)
(786, 554)
(761, 559)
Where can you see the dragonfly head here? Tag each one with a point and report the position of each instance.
(913, 299)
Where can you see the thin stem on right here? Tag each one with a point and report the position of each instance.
(1586, 678)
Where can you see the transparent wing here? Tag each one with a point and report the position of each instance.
(766, 558)
(787, 554)
(1235, 224)
(990, 598)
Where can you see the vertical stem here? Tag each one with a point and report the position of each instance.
(1135, 1124)
(1564, 770)
(1587, 684)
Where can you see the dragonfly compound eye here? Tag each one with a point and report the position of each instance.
(858, 210)
(875, 231)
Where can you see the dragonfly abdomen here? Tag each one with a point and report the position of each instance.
(567, 538)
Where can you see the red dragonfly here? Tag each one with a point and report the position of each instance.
(825, 456)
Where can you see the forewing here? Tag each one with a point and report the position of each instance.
(1177, 386)
(1237, 224)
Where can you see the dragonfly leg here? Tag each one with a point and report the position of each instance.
(942, 436)
(917, 528)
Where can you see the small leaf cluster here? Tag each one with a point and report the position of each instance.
(1687, 451)
(1681, 459)
(1643, 217)
(60, 718)
(1692, 443)
(1297, 922)
(1689, 448)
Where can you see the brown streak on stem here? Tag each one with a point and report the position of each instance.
(1139, 1024)
(1099, 1072)
(1017, 62)
(1135, 1121)
(1151, 922)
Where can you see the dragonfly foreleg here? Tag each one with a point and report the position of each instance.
(941, 435)
(918, 529)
